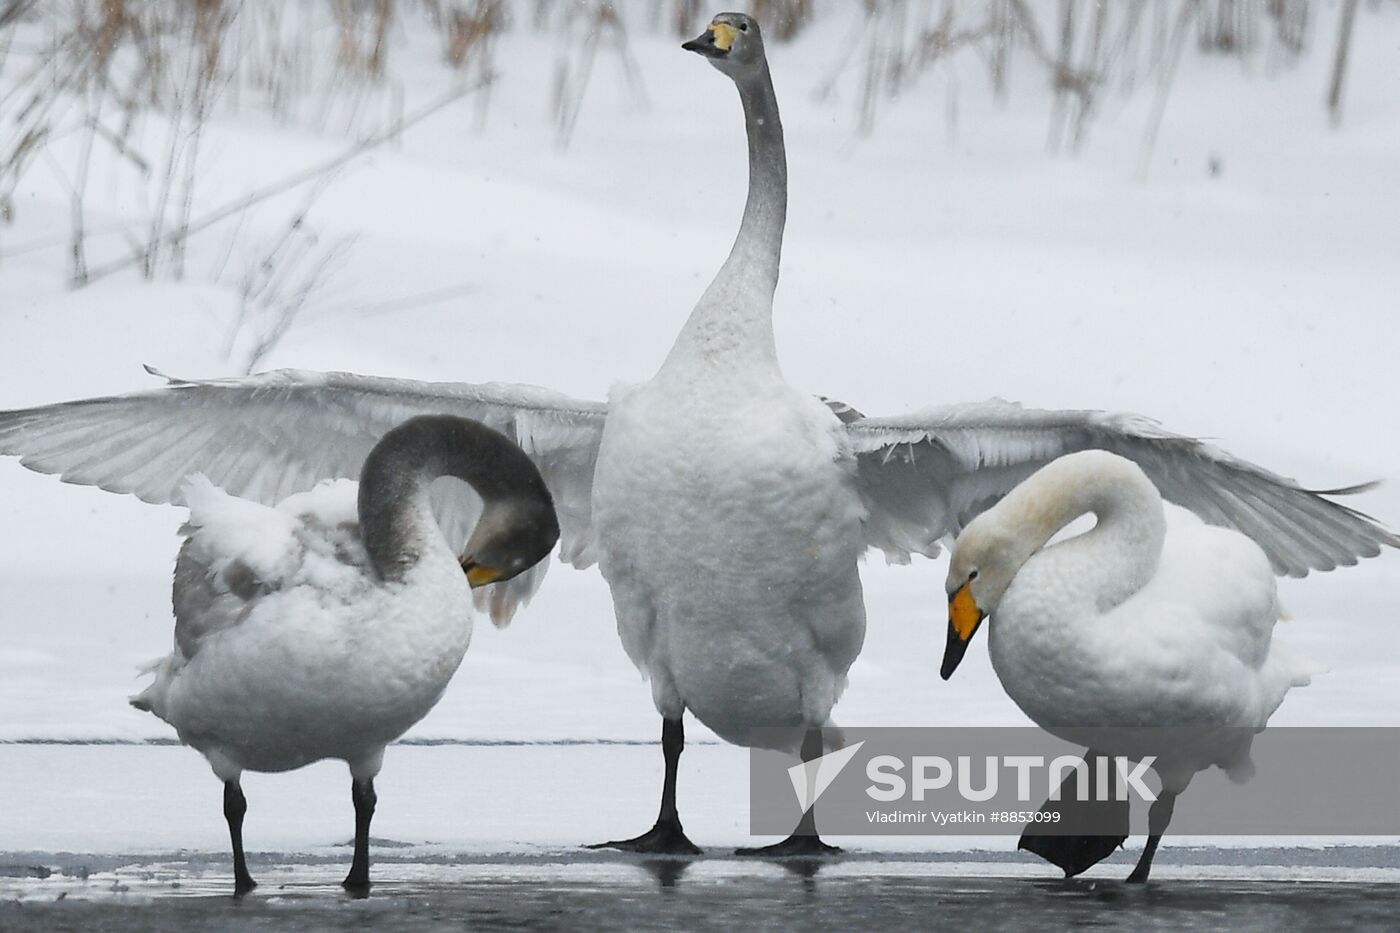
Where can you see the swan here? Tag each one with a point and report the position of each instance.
(327, 626)
(716, 454)
(1137, 623)
(732, 554)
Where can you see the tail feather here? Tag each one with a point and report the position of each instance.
(147, 699)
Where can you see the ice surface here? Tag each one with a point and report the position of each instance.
(110, 806)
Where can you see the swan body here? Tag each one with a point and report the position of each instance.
(1192, 647)
(1142, 622)
(289, 649)
(735, 587)
(328, 625)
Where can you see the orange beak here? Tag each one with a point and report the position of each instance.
(964, 618)
(479, 575)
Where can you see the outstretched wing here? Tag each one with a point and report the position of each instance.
(924, 476)
(267, 436)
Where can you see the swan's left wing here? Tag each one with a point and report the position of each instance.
(924, 476)
(267, 436)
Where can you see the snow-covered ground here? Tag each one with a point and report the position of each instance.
(924, 264)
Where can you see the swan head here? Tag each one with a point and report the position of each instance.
(510, 538)
(733, 44)
(983, 564)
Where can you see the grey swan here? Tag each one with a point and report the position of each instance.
(327, 626)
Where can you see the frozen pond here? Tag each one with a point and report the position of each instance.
(131, 838)
(663, 894)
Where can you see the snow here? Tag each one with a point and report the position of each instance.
(924, 264)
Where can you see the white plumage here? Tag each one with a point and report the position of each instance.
(1146, 621)
(732, 555)
(328, 625)
(288, 648)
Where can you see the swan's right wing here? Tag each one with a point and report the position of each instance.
(924, 476)
(267, 436)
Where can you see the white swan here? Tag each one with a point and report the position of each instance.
(739, 467)
(327, 626)
(731, 554)
(1135, 623)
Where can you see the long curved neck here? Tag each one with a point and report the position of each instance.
(733, 321)
(396, 521)
(1120, 553)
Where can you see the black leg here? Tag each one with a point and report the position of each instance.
(804, 840)
(667, 836)
(1108, 818)
(362, 792)
(1157, 819)
(235, 806)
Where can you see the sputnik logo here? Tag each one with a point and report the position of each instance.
(810, 779)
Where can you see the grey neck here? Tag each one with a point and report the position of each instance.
(733, 320)
(765, 212)
(395, 519)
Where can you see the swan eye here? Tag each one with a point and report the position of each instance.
(743, 27)
(972, 576)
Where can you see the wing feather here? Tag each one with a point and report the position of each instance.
(924, 476)
(267, 436)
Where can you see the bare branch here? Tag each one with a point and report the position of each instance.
(297, 179)
(1164, 85)
(1339, 64)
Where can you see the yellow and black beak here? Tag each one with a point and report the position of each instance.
(479, 575)
(714, 42)
(964, 618)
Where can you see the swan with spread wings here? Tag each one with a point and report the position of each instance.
(726, 509)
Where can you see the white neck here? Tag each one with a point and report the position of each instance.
(1115, 558)
(732, 325)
